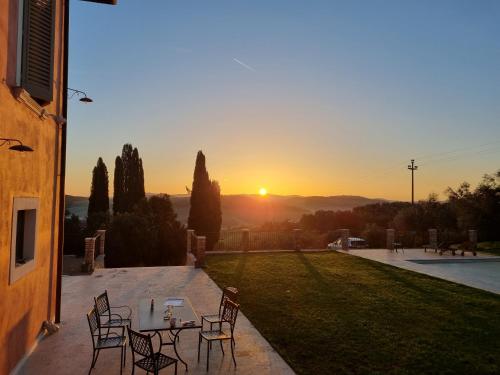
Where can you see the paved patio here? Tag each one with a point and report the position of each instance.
(481, 271)
(69, 351)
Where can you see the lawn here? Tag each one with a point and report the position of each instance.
(331, 313)
(492, 247)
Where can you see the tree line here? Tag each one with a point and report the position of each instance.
(143, 231)
(464, 208)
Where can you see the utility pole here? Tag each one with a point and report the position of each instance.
(412, 168)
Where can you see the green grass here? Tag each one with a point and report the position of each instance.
(331, 313)
(492, 247)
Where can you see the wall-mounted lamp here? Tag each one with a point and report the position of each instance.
(84, 99)
(57, 118)
(17, 147)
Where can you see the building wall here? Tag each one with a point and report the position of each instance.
(29, 301)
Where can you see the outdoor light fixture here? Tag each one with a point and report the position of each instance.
(18, 147)
(84, 99)
(57, 118)
(110, 2)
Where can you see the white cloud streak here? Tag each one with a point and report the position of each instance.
(244, 65)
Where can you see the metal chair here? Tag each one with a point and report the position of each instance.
(229, 314)
(106, 341)
(228, 293)
(151, 361)
(113, 319)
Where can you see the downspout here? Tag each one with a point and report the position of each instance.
(62, 170)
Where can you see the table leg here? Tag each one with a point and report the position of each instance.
(175, 348)
(159, 336)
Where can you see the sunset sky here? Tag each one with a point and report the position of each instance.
(298, 97)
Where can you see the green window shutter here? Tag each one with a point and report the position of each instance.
(38, 48)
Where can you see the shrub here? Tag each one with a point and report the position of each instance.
(74, 242)
(375, 236)
(149, 236)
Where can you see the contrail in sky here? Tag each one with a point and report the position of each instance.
(243, 64)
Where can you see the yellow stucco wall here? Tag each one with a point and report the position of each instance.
(29, 301)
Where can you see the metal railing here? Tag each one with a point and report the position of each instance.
(247, 240)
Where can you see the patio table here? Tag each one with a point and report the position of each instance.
(153, 320)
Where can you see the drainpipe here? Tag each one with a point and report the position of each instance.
(62, 170)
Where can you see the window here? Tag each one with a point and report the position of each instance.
(25, 236)
(36, 48)
(24, 233)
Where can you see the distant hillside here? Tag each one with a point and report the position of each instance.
(77, 205)
(251, 210)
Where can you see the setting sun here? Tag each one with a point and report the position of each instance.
(262, 191)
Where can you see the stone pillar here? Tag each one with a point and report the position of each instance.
(88, 262)
(296, 239)
(473, 238)
(245, 239)
(102, 238)
(433, 239)
(201, 242)
(189, 239)
(344, 237)
(391, 235)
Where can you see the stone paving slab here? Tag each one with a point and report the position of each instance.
(70, 350)
(481, 271)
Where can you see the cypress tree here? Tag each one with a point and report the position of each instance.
(127, 177)
(118, 193)
(198, 199)
(215, 218)
(205, 215)
(135, 172)
(129, 180)
(141, 190)
(99, 200)
(98, 209)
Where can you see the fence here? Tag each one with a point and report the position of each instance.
(246, 240)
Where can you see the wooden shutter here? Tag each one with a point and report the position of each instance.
(38, 48)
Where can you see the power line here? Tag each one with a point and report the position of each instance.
(457, 150)
(464, 151)
(468, 153)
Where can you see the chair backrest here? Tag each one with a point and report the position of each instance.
(140, 344)
(229, 292)
(102, 304)
(94, 324)
(230, 312)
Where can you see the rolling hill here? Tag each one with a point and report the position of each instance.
(251, 210)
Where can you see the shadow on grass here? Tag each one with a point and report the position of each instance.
(240, 268)
(410, 280)
(315, 274)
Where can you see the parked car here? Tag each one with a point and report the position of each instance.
(353, 243)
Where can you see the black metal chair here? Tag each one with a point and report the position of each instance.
(228, 293)
(112, 319)
(105, 341)
(151, 361)
(229, 314)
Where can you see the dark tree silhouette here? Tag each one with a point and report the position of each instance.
(215, 221)
(99, 199)
(205, 215)
(129, 180)
(118, 183)
(73, 235)
(98, 209)
(150, 235)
